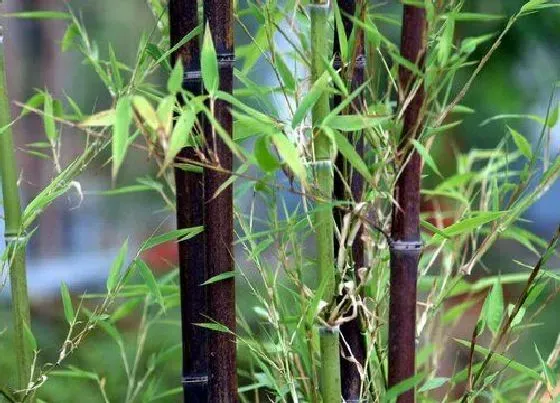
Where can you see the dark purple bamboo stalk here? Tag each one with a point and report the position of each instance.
(218, 215)
(406, 245)
(183, 18)
(351, 331)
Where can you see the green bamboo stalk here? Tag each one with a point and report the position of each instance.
(324, 222)
(323, 152)
(13, 234)
(330, 364)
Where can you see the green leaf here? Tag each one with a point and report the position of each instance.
(532, 5)
(426, 157)
(501, 359)
(553, 117)
(150, 281)
(175, 81)
(351, 155)
(432, 384)
(472, 223)
(285, 73)
(41, 15)
(217, 327)
(548, 372)
(69, 35)
(115, 271)
(351, 123)
(289, 154)
(146, 111)
(115, 69)
(310, 98)
(209, 63)
(264, 157)
(181, 133)
(75, 373)
(29, 337)
(175, 235)
(48, 118)
(101, 119)
(493, 308)
(67, 303)
(165, 113)
(120, 134)
(223, 276)
(404, 386)
(521, 142)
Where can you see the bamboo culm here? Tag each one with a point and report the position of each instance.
(183, 18)
(218, 215)
(355, 345)
(324, 221)
(405, 233)
(15, 242)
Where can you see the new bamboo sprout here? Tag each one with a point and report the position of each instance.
(218, 214)
(15, 242)
(183, 18)
(405, 233)
(324, 223)
(348, 178)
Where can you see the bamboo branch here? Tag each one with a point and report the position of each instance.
(183, 16)
(15, 239)
(405, 233)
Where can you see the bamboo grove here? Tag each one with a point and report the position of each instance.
(309, 267)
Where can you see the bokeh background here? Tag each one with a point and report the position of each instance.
(76, 240)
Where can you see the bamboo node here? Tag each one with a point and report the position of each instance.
(226, 59)
(329, 329)
(405, 247)
(189, 380)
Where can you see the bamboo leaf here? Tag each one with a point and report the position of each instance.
(40, 15)
(217, 327)
(181, 133)
(220, 277)
(499, 358)
(150, 281)
(285, 73)
(101, 119)
(67, 303)
(175, 81)
(493, 308)
(432, 384)
(553, 117)
(264, 157)
(75, 373)
(310, 98)
(426, 157)
(548, 372)
(351, 123)
(521, 142)
(48, 118)
(403, 387)
(69, 35)
(29, 337)
(289, 154)
(472, 223)
(165, 114)
(146, 111)
(120, 133)
(175, 235)
(351, 155)
(115, 271)
(209, 63)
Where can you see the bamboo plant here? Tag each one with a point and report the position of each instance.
(324, 221)
(183, 19)
(15, 239)
(405, 246)
(218, 212)
(348, 185)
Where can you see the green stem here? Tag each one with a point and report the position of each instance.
(323, 152)
(13, 235)
(331, 391)
(324, 222)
